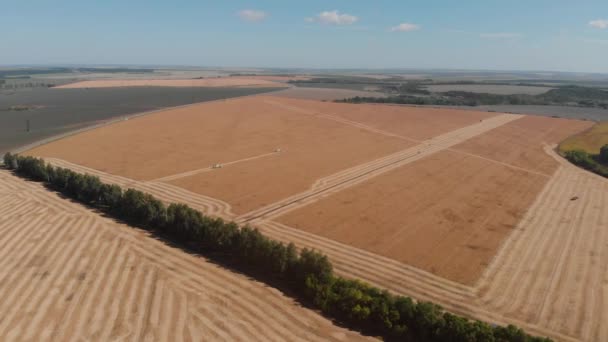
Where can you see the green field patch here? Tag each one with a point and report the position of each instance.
(590, 141)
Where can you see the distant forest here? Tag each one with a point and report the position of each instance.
(596, 163)
(25, 72)
(562, 96)
(414, 92)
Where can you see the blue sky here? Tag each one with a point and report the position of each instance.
(500, 35)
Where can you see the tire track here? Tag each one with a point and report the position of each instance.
(25, 287)
(552, 269)
(107, 281)
(210, 168)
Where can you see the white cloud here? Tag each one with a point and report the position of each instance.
(405, 27)
(500, 35)
(333, 18)
(599, 24)
(252, 16)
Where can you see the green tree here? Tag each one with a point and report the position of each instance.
(581, 158)
(111, 196)
(8, 160)
(603, 154)
(314, 264)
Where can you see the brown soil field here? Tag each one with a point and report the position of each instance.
(204, 82)
(418, 123)
(194, 138)
(520, 142)
(69, 274)
(255, 188)
(446, 213)
(362, 172)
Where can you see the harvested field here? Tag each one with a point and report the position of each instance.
(179, 146)
(69, 274)
(489, 89)
(474, 301)
(590, 141)
(552, 272)
(204, 82)
(438, 214)
(520, 143)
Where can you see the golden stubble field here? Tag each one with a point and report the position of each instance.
(69, 274)
(438, 204)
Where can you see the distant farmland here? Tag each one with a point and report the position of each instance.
(468, 209)
(56, 111)
(490, 89)
(324, 94)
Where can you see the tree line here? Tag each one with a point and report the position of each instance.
(306, 274)
(564, 95)
(596, 163)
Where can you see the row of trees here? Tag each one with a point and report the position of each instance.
(565, 95)
(307, 274)
(596, 163)
(24, 85)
